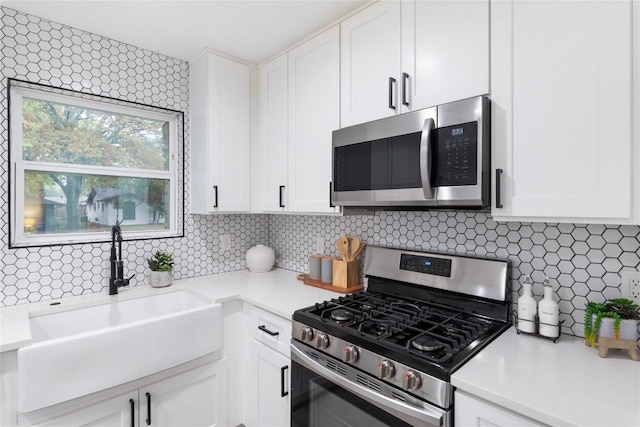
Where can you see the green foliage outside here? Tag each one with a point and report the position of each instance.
(60, 133)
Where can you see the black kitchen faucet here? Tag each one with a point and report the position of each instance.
(117, 266)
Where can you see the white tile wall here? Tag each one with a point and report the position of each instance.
(41, 51)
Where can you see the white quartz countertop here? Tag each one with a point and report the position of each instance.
(277, 291)
(560, 384)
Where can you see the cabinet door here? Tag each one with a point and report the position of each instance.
(470, 411)
(274, 134)
(193, 398)
(229, 133)
(370, 43)
(445, 51)
(269, 372)
(561, 109)
(314, 112)
(118, 411)
(220, 135)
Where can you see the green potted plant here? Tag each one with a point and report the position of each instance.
(161, 265)
(616, 319)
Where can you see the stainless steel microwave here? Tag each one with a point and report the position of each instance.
(435, 157)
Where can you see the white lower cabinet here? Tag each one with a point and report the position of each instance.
(268, 366)
(471, 411)
(196, 397)
(270, 390)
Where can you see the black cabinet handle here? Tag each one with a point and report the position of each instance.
(392, 83)
(215, 197)
(148, 409)
(498, 189)
(282, 371)
(331, 205)
(133, 410)
(280, 203)
(405, 81)
(263, 328)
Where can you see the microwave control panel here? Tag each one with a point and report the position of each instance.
(456, 154)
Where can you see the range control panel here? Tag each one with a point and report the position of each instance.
(426, 264)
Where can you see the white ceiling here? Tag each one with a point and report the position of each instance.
(253, 31)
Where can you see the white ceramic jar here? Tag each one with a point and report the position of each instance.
(260, 259)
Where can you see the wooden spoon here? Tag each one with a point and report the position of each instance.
(355, 245)
(354, 254)
(343, 247)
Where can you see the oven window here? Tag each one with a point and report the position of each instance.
(318, 402)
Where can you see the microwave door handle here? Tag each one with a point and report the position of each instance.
(425, 158)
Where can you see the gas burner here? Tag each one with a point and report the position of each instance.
(425, 343)
(340, 315)
(375, 328)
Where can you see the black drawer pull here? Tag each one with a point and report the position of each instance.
(148, 409)
(263, 328)
(133, 412)
(282, 371)
(392, 83)
(281, 204)
(405, 85)
(498, 189)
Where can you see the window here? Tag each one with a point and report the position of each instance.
(82, 163)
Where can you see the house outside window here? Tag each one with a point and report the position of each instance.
(82, 163)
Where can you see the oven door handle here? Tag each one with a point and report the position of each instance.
(425, 157)
(419, 417)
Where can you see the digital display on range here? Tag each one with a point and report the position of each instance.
(425, 264)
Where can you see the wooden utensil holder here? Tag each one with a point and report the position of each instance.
(345, 273)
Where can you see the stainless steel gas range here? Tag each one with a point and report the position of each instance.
(384, 356)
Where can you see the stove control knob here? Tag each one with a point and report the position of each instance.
(386, 369)
(306, 333)
(411, 381)
(322, 341)
(350, 354)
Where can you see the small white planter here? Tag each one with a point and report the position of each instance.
(160, 279)
(628, 329)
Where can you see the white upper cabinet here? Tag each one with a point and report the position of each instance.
(370, 65)
(314, 113)
(220, 135)
(445, 51)
(561, 90)
(274, 135)
(299, 98)
(404, 56)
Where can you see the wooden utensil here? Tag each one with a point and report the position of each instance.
(355, 253)
(343, 247)
(355, 245)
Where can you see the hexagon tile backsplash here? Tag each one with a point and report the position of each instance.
(582, 261)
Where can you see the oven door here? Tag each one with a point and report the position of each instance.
(325, 397)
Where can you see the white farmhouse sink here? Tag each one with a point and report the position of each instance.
(89, 349)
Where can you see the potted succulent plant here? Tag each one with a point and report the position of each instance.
(161, 265)
(616, 319)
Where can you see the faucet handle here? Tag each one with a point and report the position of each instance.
(127, 281)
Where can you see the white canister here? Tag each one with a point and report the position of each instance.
(548, 313)
(260, 259)
(527, 308)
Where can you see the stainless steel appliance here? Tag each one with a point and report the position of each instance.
(384, 356)
(436, 157)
